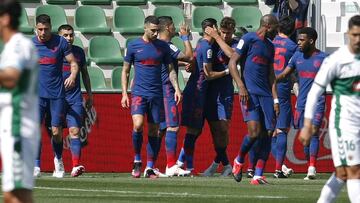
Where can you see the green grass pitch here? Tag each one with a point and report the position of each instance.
(114, 187)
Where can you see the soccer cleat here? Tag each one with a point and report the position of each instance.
(175, 170)
(279, 174)
(59, 171)
(250, 173)
(150, 173)
(311, 175)
(237, 171)
(77, 171)
(287, 171)
(37, 172)
(136, 172)
(227, 170)
(180, 163)
(259, 181)
(209, 172)
(159, 174)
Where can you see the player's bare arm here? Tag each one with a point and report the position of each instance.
(214, 33)
(86, 80)
(9, 77)
(212, 75)
(243, 93)
(274, 90)
(70, 81)
(184, 33)
(284, 74)
(174, 81)
(124, 84)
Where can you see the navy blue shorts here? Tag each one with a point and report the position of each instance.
(56, 109)
(153, 107)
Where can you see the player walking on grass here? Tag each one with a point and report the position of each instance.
(220, 95)
(257, 91)
(342, 71)
(148, 54)
(19, 108)
(52, 50)
(284, 50)
(170, 126)
(307, 62)
(73, 99)
(195, 94)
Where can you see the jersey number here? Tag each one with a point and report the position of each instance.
(279, 61)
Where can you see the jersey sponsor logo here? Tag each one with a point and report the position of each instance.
(317, 63)
(209, 53)
(260, 60)
(47, 60)
(173, 47)
(150, 62)
(307, 74)
(240, 44)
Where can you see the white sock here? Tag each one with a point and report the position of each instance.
(353, 187)
(331, 189)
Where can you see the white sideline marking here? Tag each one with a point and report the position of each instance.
(184, 194)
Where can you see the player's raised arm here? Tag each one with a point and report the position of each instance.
(187, 55)
(214, 33)
(124, 84)
(70, 81)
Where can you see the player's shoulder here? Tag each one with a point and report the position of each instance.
(205, 44)
(173, 47)
(77, 49)
(234, 42)
(19, 43)
(340, 56)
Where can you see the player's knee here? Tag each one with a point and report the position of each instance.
(74, 132)
(315, 129)
(56, 132)
(138, 127)
(153, 130)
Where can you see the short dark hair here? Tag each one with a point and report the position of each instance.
(65, 27)
(354, 21)
(227, 23)
(310, 32)
(151, 19)
(13, 9)
(164, 21)
(43, 19)
(287, 25)
(208, 22)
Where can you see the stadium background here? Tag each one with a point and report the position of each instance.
(110, 146)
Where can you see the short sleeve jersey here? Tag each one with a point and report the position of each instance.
(256, 58)
(174, 52)
(74, 94)
(203, 54)
(148, 59)
(307, 68)
(51, 55)
(284, 50)
(20, 53)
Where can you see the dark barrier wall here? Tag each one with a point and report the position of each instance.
(110, 149)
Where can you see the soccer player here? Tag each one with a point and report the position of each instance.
(19, 110)
(220, 94)
(170, 126)
(195, 94)
(52, 50)
(341, 70)
(284, 50)
(257, 92)
(73, 99)
(148, 54)
(307, 62)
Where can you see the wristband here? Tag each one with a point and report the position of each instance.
(184, 37)
(227, 71)
(276, 101)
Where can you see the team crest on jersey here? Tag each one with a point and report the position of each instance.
(317, 64)
(240, 44)
(173, 47)
(209, 53)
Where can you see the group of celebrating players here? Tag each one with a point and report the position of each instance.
(266, 105)
(267, 59)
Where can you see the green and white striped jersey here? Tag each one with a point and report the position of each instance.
(342, 70)
(20, 53)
